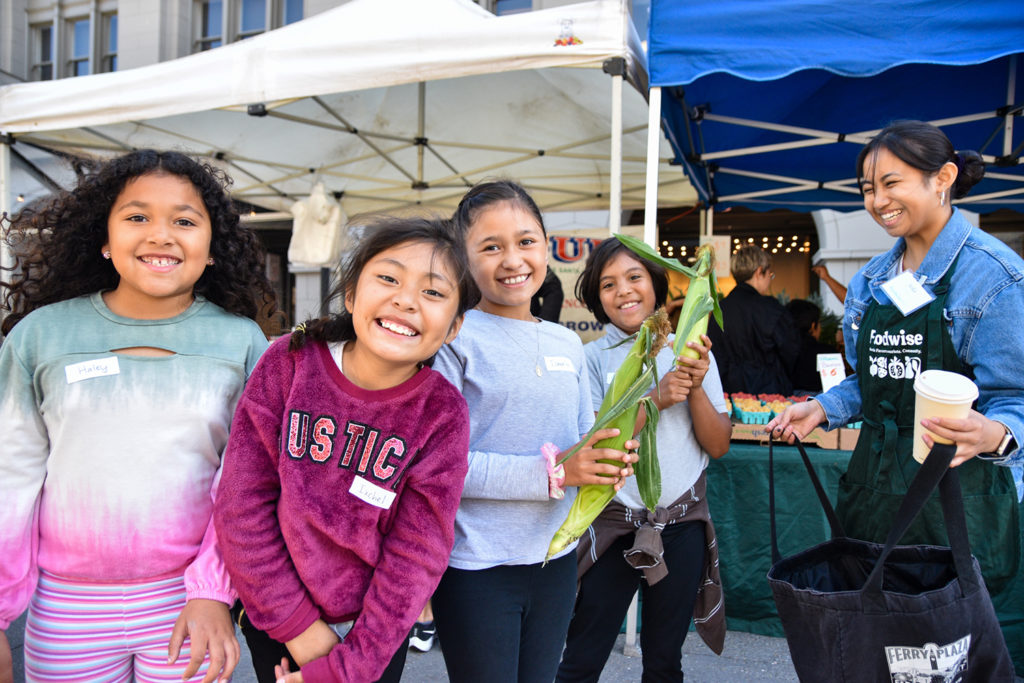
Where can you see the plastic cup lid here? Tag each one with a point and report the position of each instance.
(945, 387)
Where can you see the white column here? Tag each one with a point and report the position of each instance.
(651, 184)
(309, 292)
(6, 258)
(615, 206)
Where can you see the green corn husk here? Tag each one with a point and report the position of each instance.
(620, 408)
(702, 297)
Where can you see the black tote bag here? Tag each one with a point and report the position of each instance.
(859, 611)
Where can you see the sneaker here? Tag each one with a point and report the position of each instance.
(422, 636)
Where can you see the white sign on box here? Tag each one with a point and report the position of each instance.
(831, 369)
(723, 252)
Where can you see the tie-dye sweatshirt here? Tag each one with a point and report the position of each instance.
(338, 503)
(108, 460)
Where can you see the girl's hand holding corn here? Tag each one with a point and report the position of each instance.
(673, 388)
(584, 467)
(696, 368)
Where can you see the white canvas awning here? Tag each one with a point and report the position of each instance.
(389, 103)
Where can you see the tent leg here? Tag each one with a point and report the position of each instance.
(707, 224)
(651, 192)
(6, 258)
(1011, 89)
(421, 129)
(615, 208)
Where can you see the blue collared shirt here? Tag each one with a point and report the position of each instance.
(986, 308)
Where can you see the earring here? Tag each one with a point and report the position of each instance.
(209, 261)
(106, 255)
(942, 198)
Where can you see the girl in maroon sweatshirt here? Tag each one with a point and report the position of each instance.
(345, 464)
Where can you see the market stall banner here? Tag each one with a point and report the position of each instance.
(568, 253)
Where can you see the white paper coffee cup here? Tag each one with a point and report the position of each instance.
(939, 394)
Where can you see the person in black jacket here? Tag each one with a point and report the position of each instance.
(760, 346)
(807, 318)
(546, 304)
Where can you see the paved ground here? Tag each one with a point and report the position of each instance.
(747, 659)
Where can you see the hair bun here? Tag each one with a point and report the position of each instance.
(971, 169)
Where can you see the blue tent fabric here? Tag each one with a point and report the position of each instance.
(837, 72)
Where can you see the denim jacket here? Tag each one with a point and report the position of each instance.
(985, 309)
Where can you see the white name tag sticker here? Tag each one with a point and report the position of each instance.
(101, 367)
(558, 364)
(371, 493)
(907, 293)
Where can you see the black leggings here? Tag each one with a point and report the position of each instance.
(604, 596)
(505, 624)
(267, 652)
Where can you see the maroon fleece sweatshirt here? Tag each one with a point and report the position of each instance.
(339, 503)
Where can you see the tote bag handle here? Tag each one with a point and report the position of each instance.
(826, 505)
(935, 472)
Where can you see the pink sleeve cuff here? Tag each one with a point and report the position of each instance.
(304, 615)
(319, 671)
(201, 593)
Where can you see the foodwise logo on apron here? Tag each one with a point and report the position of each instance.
(946, 663)
(895, 354)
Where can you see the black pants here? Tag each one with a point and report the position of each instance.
(505, 624)
(667, 607)
(267, 652)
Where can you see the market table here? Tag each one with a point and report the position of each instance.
(738, 495)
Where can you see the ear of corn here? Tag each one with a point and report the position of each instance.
(620, 408)
(647, 470)
(701, 297)
(701, 300)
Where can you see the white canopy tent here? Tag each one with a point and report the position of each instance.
(390, 103)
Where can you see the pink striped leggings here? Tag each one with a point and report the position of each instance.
(104, 632)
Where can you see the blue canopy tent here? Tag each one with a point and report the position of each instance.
(767, 104)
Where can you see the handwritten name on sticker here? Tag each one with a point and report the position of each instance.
(101, 367)
(558, 364)
(371, 493)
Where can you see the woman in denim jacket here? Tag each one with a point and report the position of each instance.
(968, 322)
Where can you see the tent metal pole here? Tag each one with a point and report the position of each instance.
(6, 258)
(709, 221)
(615, 208)
(1011, 90)
(421, 129)
(651, 193)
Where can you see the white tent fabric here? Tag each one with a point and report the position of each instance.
(389, 103)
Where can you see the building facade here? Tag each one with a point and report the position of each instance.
(50, 39)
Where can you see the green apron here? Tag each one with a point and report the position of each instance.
(892, 349)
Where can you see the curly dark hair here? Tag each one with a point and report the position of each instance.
(588, 285)
(381, 233)
(57, 244)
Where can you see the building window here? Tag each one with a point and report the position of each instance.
(78, 61)
(211, 23)
(108, 40)
(42, 53)
(512, 6)
(219, 22)
(291, 11)
(252, 18)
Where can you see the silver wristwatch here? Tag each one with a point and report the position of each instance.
(1007, 445)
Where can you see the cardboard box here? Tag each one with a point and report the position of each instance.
(848, 438)
(819, 437)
